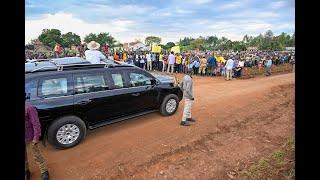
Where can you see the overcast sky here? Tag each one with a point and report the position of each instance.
(127, 20)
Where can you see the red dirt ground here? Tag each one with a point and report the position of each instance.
(238, 122)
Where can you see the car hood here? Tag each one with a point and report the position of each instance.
(164, 78)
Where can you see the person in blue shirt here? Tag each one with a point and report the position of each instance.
(196, 65)
(211, 65)
(268, 67)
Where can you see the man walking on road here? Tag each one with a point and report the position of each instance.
(32, 135)
(229, 67)
(186, 86)
(268, 66)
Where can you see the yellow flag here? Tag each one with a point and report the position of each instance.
(175, 49)
(156, 49)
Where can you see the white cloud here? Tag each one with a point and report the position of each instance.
(198, 1)
(68, 23)
(278, 4)
(229, 6)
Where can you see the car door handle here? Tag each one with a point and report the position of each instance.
(135, 94)
(84, 102)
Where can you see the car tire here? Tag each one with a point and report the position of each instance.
(169, 105)
(66, 132)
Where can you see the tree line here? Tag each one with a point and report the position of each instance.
(266, 41)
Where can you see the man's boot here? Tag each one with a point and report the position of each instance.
(185, 123)
(191, 120)
(45, 175)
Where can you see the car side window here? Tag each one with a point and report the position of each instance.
(53, 87)
(138, 79)
(90, 83)
(118, 80)
(31, 89)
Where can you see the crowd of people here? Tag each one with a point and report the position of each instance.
(229, 64)
(206, 63)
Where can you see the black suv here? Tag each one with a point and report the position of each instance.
(72, 98)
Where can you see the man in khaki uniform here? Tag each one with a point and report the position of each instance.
(203, 66)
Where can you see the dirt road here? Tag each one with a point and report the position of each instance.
(238, 121)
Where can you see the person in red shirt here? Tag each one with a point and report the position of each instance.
(116, 57)
(32, 135)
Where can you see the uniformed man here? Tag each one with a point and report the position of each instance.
(186, 86)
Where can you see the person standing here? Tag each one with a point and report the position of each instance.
(211, 65)
(186, 87)
(292, 61)
(172, 60)
(268, 65)
(203, 66)
(161, 62)
(32, 135)
(149, 62)
(57, 50)
(229, 67)
(93, 55)
(178, 63)
(239, 68)
(195, 64)
(142, 62)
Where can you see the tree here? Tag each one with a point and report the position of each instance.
(50, 37)
(90, 37)
(269, 34)
(169, 45)
(152, 39)
(70, 39)
(101, 38)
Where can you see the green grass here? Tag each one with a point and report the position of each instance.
(278, 165)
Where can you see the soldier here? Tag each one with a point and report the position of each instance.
(203, 66)
(32, 135)
(186, 86)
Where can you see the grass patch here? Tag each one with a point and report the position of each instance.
(279, 165)
(255, 71)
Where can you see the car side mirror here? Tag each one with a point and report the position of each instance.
(154, 82)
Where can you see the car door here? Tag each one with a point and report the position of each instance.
(142, 89)
(122, 99)
(93, 97)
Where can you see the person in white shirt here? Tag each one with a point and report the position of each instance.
(93, 55)
(239, 68)
(229, 67)
(149, 62)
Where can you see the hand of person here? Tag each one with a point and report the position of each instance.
(35, 141)
(192, 99)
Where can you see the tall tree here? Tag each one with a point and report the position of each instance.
(90, 37)
(152, 39)
(101, 38)
(70, 39)
(50, 37)
(169, 45)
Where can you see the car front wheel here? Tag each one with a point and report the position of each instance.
(66, 132)
(169, 105)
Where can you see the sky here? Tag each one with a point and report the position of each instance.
(129, 20)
